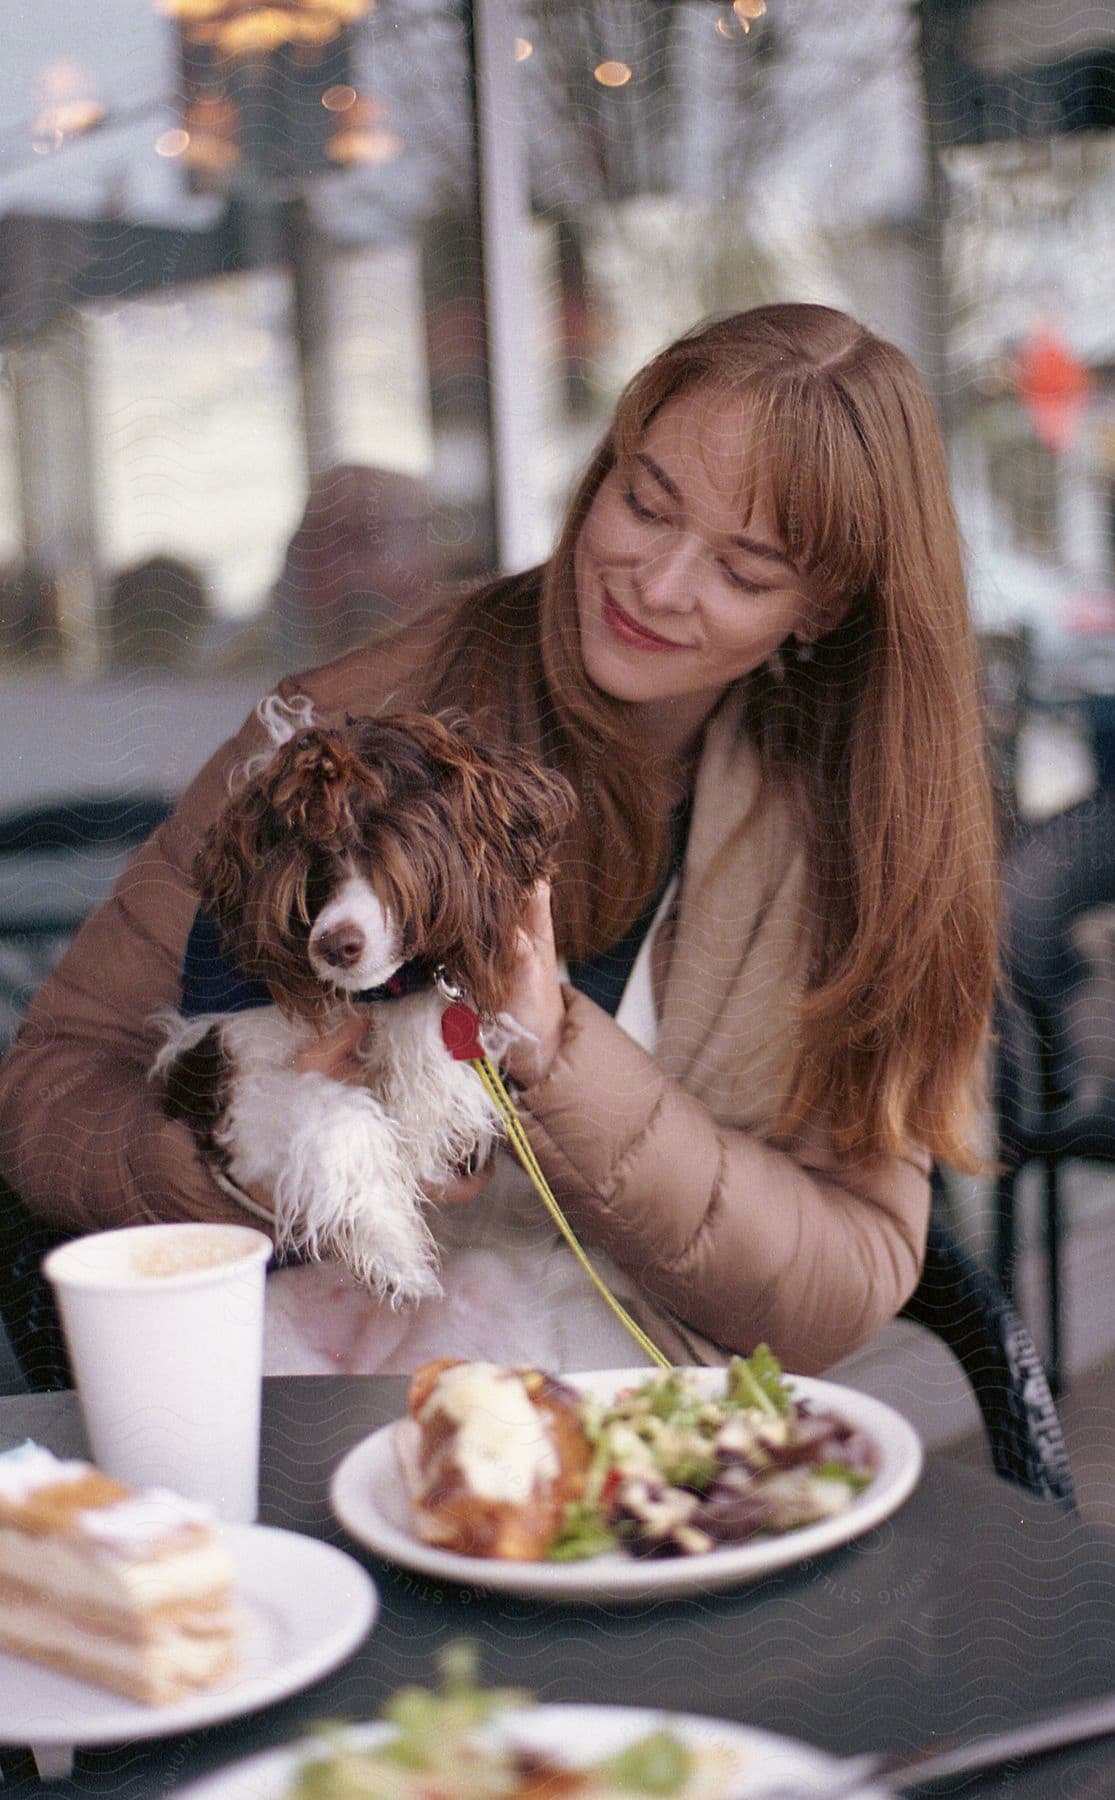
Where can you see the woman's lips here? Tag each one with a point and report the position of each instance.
(623, 626)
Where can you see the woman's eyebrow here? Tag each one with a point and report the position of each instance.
(755, 546)
(660, 475)
(766, 551)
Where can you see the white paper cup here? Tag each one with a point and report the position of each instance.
(164, 1328)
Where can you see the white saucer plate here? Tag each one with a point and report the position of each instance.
(578, 1734)
(369, 1498)
(306, 1607)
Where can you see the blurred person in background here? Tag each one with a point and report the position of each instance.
(159, 615)
(359, 563)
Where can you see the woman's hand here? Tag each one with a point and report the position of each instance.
(335, 1052)
(535, 1001)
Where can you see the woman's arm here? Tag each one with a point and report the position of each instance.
(747, 1243)
(82, 1135)
(744, 1242)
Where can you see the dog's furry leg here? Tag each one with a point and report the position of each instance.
(338, 1168)
(345, 1189)
(442, 1110)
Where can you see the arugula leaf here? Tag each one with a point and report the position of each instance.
(431, 1726)
(584, 1532)
(834, 1470)
(757, 1381)
(657, 1764)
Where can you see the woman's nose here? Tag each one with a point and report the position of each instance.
(670, 578)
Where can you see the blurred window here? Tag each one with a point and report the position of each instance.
(194, 420)
(242, 408)
(680, 163)
(1023, 481)
(379, 345)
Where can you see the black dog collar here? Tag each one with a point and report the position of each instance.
(411, 978)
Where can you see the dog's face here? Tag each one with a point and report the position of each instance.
(361, 848)
(355, 942)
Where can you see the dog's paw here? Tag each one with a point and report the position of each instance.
(399, 1289)
(397, 1274)
(365, 1212)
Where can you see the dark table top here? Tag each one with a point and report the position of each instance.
(975, 1607)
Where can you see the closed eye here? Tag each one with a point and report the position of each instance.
(636, 506)
(743, 581)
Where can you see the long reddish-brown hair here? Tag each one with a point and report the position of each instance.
(878, 737)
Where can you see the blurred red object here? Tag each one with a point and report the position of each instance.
(1090, 615)
(1054, 385)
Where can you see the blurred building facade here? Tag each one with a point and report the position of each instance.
(254, 260)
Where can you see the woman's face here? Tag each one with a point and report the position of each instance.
(679, 593)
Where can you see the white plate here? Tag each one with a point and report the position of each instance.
(578, 1734)
(307, 1605)
(370, 1500)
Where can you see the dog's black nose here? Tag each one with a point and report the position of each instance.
(342, 946)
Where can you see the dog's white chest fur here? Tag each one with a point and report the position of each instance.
(346, 1164)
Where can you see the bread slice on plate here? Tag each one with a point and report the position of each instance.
(490, 1457)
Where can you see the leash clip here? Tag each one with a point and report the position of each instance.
(448, 988)
(460, 1022)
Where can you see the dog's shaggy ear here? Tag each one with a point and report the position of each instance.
(231, 856)
(507, 813)
(299, 798)
(223, 864)
(513, 811)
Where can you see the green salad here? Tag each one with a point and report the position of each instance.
(677, 1472)
(442, 1746)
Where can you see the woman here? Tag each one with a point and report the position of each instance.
(755, 619)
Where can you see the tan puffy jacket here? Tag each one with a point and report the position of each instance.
(659, 1161)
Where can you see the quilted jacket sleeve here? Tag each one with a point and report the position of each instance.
(742, 1241)
(82, 1137)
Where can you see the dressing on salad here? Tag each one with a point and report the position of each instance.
(676, 1472)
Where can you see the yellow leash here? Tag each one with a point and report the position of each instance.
(460, 1029)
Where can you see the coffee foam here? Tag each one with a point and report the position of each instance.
(185, 1255)
(144, 1254)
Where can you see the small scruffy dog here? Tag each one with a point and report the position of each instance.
(347, 871)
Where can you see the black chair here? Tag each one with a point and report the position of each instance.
(58, 861)
(1054, 1091)
(27, 1310)
(1006, 659)
(963, 1305)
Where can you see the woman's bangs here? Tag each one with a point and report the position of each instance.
(826, 504)
(640, 401)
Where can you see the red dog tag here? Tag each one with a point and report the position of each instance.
(460, 1028)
